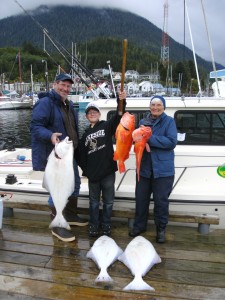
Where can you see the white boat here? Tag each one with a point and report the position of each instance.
(200, 151)
(9, 103)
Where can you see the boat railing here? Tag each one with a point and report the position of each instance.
(178, 179)
(123, 177)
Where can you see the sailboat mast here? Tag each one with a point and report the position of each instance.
(211, 51)
(193, 49)
(20, 73)
(184, 34)
(32, 83)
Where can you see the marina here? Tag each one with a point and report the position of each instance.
(35, 265)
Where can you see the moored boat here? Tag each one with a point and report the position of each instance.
(8, 103)
(199, 153)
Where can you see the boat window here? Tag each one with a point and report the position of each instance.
(194, 127)
(200, 127)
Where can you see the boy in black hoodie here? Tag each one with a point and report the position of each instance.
(96, 161)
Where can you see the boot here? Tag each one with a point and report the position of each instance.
(160, 235)
(70, 213)
(93, 231)
(61, 233)
(106, 229)
(135, 232)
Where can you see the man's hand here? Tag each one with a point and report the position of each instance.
(55, 137)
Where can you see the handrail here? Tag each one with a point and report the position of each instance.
(130, 169)
(176, 167)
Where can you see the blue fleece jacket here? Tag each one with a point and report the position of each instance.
(160, 160)
(46, 119)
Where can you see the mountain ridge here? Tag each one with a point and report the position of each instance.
(80, 24)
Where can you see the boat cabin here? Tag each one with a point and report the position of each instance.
(198, 154)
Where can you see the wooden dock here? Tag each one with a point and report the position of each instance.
(35, 265)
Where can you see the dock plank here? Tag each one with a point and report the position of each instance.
(35, 265)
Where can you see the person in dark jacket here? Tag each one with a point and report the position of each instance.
(156, 171)
(96, 161)
(54, 118)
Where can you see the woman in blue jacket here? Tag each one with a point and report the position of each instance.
(157, 170)
(53, 119)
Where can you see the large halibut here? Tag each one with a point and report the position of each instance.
(139, 256)
(104, 252)
(59, 179)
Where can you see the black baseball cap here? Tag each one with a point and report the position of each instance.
(64, 77)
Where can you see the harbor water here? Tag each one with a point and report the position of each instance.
(14, 127)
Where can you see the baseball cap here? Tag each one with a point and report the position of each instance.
(63, 77)
(92, 105)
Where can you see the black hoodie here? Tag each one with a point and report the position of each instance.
(96, 149)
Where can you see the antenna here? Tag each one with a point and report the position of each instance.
(165, 37)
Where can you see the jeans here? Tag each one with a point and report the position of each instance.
(161, 189)
(77, 184)
(106, 186)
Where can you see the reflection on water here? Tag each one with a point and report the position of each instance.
(14, 126)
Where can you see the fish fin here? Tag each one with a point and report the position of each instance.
(44, 183)
(103, 276)
(121, 167)
(138, 174)
(138, 284)
(59, 221)
(115, 156)
(147, 147)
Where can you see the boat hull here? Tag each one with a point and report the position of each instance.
(197, 185)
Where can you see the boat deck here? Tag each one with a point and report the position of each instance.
(35, 265)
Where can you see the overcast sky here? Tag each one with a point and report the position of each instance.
(153, 11)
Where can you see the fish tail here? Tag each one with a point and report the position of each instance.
(138, 284)
(121, 167)
(103, 276)
(138, 165)
(59, 221)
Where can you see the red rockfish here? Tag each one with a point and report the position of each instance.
(124, 140)
(140, 137)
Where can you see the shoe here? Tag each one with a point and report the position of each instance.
(135, 232)
(63, 234)
(93, 231)
(160, 236)
(106, 230)
(75, 220)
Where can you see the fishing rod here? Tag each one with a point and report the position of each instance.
(64, 56)
(78, 63)
(54, 42)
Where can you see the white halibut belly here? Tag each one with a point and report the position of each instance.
(59, 178)
(139, 256)
(104, 252)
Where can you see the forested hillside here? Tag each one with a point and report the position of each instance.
(81, 24)
(98, 35)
